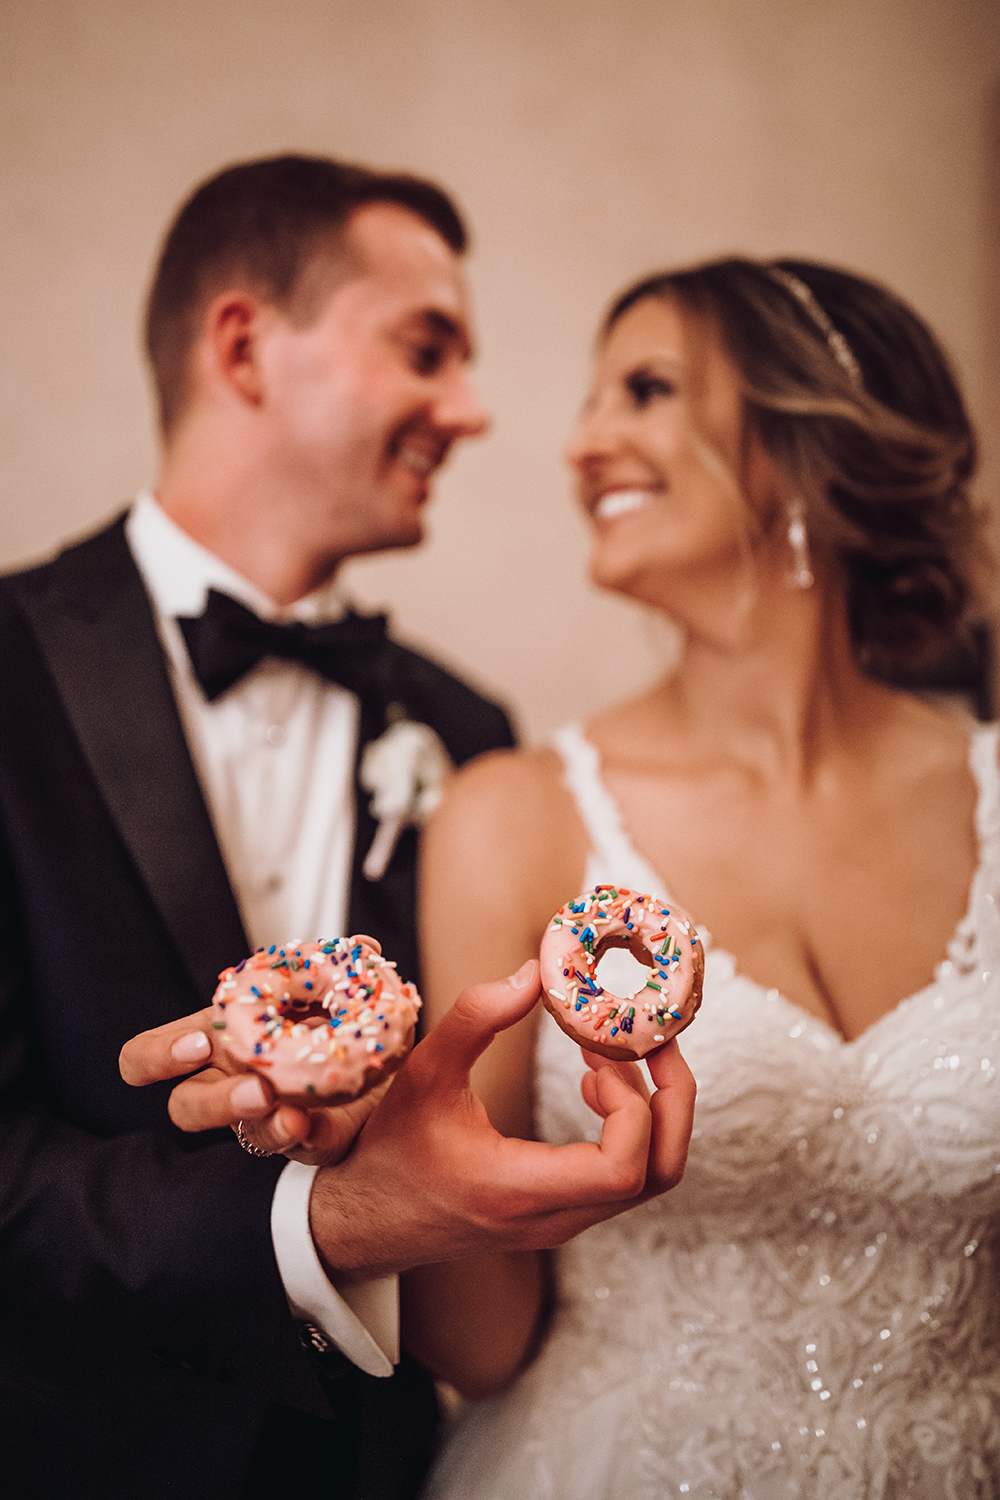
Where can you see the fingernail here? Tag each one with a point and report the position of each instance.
(521, 977)
(248, 1095)
(279, 1135)
(191, 1047)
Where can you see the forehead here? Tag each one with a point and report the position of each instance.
(662, 333)
(650, 328)
(660, 336)
(401, 268)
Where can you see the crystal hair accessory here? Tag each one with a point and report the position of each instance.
(800, 575)
(836, 342)
(405, 769)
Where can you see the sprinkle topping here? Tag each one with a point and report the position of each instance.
(294, 1006)
(576, 940)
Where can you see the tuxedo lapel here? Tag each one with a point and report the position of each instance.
(95, 627)
(384, 908)
(418, 689)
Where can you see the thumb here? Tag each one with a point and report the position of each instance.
(462, 1035)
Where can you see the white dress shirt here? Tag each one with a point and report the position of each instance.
(275, 757)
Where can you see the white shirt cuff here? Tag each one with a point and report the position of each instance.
(362, 1318)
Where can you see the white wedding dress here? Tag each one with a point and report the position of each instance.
(815, 1311)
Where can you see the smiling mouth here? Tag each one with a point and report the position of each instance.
(419, 461)
(621, 503)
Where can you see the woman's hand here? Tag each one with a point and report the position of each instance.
(212, 1098)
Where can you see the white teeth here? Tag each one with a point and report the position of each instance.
(417, 460)
(620, 502)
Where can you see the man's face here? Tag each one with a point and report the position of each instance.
(366, 401)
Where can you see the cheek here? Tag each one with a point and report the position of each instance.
(684, 537)
(339, 423)
(321, 392)
(711, 511)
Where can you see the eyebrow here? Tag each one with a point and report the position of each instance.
(658, 360)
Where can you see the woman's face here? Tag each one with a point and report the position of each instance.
(677, 490)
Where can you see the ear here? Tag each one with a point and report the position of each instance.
(230, 343)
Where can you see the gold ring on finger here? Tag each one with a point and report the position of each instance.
(248, 1144)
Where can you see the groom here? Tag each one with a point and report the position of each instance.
(187, 700)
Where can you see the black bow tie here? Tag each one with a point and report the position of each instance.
(228, 641)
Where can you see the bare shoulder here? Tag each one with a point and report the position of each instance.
(506, 774)
(504, 850)
(509, 813)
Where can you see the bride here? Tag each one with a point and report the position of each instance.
(776, 457)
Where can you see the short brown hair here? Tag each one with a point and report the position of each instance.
(258, 225)
(881, 455)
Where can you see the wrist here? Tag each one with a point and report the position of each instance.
(362, 1231)
(348, 1229)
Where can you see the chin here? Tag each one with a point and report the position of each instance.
(385, 539)
(621, 574)
(650, 587)
(409, 533)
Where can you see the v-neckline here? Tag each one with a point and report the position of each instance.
(800, 1012)
(982, 750)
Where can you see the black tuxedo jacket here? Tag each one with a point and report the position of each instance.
(146, 1347)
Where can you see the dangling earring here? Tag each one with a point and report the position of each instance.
(801, 574)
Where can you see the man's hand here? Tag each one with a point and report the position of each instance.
(428, 1178)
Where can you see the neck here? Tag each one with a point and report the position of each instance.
(219, 490)
(784, 692)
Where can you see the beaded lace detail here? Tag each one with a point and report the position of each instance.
(814, 1314)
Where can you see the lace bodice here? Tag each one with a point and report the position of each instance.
(815, 1311)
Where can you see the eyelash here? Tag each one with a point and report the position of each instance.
(645, 388)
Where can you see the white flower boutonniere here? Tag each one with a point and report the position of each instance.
(405, 769)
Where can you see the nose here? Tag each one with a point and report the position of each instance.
(593, 437)
(459, 409)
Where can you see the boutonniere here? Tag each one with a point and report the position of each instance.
(405, 770)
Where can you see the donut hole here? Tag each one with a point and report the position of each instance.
(623, 966)
(303, 1012)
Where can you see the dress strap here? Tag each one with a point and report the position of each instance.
(983, 764)
(599, 813)
(964, 948)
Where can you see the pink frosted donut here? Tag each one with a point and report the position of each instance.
(322, 1022)
(660, 936)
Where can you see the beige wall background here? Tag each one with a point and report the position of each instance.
(589, 140)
